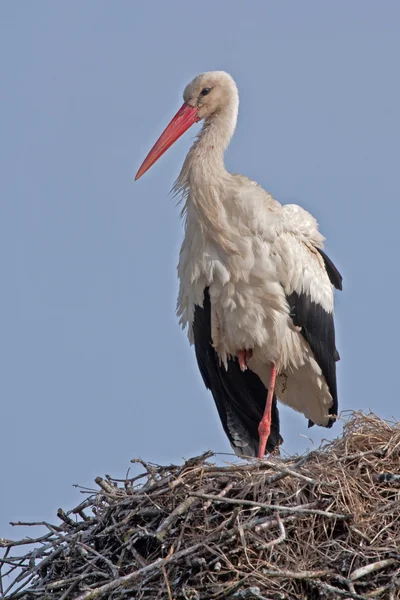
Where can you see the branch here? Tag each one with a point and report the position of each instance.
(101, 591)
(183, 507)
(279, 539)
(376, 566)
(291, 509)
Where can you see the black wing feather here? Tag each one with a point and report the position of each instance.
(318, 329)
(239, 396)
(333, 274)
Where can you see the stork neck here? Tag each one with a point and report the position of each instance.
(205, 160)
(216, 134)
(204, 180)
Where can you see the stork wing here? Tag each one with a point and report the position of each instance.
(317, 328)
(308, 276)
(333, 274)
(239, 396)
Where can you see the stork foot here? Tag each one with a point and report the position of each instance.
(243, 357)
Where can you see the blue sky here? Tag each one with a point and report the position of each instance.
(95, 369)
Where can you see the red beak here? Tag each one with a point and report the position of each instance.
(184, 118)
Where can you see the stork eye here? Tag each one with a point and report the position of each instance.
(205, 91)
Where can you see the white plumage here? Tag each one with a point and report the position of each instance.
(254, 256)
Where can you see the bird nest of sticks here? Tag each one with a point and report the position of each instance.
(323, 525)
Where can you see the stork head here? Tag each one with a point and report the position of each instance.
(208, 95)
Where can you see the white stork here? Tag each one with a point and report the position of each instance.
(256, 289)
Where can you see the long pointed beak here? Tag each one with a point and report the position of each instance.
(184, 118)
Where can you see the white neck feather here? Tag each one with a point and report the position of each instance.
(204, 181)
(204, 163)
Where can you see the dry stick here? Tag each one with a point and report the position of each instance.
(165, 526)
(339, 592)
(108, 562)
(21, 587)
(106, 487)
(65, 518)
(287, 471)
(283, 471)
(292, 509)
(147, 511)
(228, 592)
(222, 494)
(258, 466)
(173, 479)
(296, 574)
(376, 566)
(1, 574)
(158, 564)
(52, 545)
(180, 479)
(159, 488)
(70, 589)
(378, 591)
(31, 572)
(33, 524)
(257, 523)
(10, 543)
(351, 587)
(53, 586)
(252, 592)
(121, 581)
(361, 454)
(136, 555)
(88, 503)
(164, 572)
(279, 539)
(83, 515)
(15, 563)
(267, 522)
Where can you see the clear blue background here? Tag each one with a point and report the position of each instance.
(94, 367)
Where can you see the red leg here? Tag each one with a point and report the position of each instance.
(264, 427)
(243, 357)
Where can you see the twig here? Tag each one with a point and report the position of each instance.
(251, 593)
(33, 524)
(164, 572)
(64, 517)
(34, 569)
(376, 566)
(340, 592)
(222, 494)
(285, 471)
(279, 539)
(70, 589)
(10, 543)
(292, 509)
(183, 507)
(376, 452)
(296, 574)
(108, 562)
(106, 487)
(101, 591)
(138, 557)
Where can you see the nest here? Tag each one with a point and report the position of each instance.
(324, 525)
